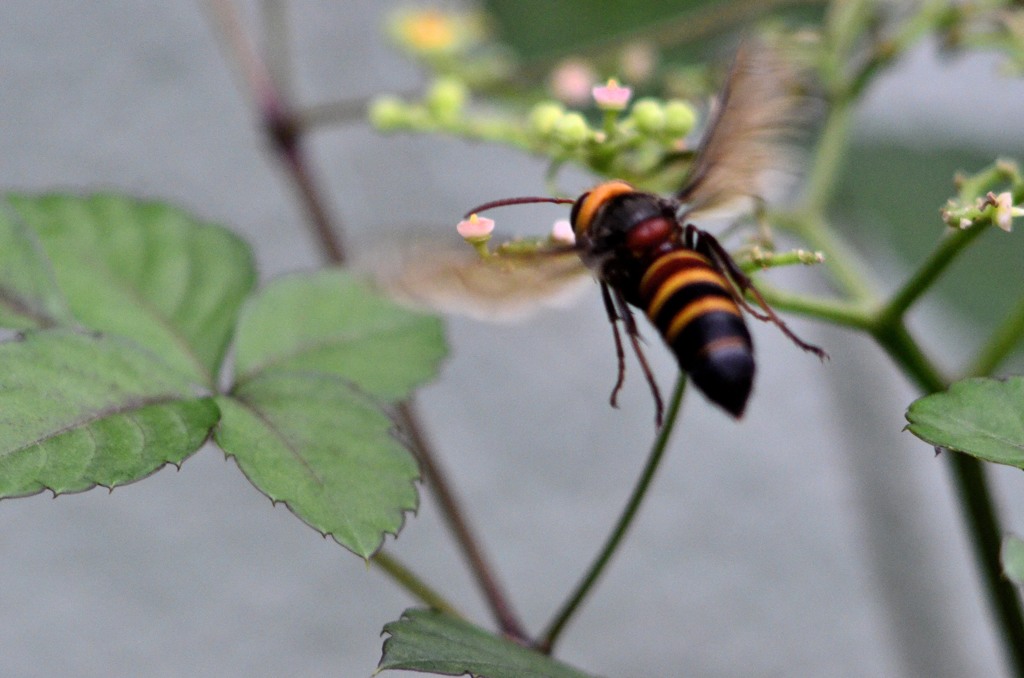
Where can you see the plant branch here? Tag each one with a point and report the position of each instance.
(846, 314)
(930, 15)
(409, 581)
(565, 613)
(844, 265)
(453, 515)
(335, 112)
(829, 154)
(279, 123)
(929, 271)
(975, 497)
(276, 35)
(1001, 344)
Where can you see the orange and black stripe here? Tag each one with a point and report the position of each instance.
(691, 304)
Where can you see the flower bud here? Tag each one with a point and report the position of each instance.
(679, 118)
(388, 113)
(446, 98)
(544, 118)
(649, 116)
(572, 129)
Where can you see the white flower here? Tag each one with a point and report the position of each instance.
(1005, 210)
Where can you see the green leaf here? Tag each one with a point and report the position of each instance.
(330, 323)
(313, 354)
(1012, 557)
(78, 411)
(325, 450)
(981, 417)
(29, 297)
(432, 642)
(146, 271)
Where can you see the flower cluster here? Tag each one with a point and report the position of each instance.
(978, 203)
(592, 124)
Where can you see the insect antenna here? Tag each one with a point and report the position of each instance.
(516, 201)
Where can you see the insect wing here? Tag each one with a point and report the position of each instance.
(508, 285)
(748, 141)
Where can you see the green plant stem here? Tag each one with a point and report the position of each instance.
(565, 613)
(975, 501)
(974, 186)
(846, 314)
(828, 157)
(408, 580)
(986, 537)
(975, 498)
(928, 16)
(906, 352)
(926, 274)
(1001, 344)
(845, 266)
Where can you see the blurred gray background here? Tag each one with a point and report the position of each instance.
(814, 538)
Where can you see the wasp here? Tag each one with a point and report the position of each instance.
(646, 252)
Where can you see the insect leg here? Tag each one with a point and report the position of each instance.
(708, 245)
(613, 318)
(623, 311)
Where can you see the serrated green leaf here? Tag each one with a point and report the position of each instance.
(980, 417)
(29, 297)
(78, 411)
(432, 642)
(146, 271)
(1011, 554)
(331, 323)
(315, 443)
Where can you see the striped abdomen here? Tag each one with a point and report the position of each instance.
(690, 303)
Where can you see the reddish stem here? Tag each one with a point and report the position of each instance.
(281, 126)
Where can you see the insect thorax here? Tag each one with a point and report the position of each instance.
(607, 241)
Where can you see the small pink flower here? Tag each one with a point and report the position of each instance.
(611, 96)
(562, 232)
(571, 81)
(475, 228)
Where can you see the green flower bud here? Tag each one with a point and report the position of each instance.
(572, 129)
(446, 98)
(679, 118)
(388, 113)
(544, 118)
(649, 116)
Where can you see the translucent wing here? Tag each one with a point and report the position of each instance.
(749, 137)
(508, 285)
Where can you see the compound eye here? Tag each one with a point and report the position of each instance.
(576, 209)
